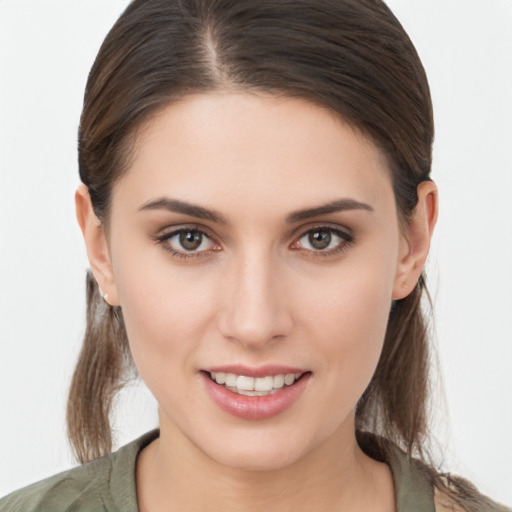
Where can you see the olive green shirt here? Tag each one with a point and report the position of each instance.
(108, 485)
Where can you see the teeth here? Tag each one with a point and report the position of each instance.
(219, 378)
(263, 384)
(278, 381)
(245, 383)
(254, 386)
(289, 379)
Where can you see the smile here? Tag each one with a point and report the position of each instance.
(254, 386)
(255, 394)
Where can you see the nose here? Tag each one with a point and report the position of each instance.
(255, 307)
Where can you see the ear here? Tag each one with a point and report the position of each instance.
(415, 242)
(96, 244)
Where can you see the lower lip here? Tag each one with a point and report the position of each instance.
(255, 407)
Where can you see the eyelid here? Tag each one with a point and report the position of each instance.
(347, 236)
(192, 226)
(170, 231)
(336, 228)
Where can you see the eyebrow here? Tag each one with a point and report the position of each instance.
(332, 207)
(177, 206)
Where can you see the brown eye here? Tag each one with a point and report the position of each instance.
(320, 239)
(323, 240)
(191, 240)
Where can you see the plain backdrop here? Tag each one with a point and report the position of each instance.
(46, 50)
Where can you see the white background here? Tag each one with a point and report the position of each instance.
(46, 50)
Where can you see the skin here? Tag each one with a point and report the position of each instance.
(257, 292)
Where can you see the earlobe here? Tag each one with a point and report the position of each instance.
(415, 242)
(96, 245)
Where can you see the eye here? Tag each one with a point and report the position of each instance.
(187, 242)
(190, 240)
(323, 239)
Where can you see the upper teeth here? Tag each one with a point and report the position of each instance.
(259, 384)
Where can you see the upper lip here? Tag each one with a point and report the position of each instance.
(251, 371)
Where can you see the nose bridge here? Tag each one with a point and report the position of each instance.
(255, 310)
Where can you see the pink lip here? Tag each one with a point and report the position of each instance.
(255, 407)
(261, 371)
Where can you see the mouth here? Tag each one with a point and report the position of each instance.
(255, 393)
(255, 386)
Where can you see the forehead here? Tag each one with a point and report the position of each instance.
(252, 151)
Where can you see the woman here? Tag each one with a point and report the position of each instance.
(257, 210)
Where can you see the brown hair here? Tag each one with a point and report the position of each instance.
(350, 56)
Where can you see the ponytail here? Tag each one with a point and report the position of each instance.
(100, 373)
(394, 404)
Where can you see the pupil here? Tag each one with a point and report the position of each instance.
(190, 240)
(320, 239)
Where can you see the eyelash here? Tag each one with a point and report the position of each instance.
(346, 240)
(164, 238)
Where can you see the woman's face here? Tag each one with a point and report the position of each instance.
(255, 238)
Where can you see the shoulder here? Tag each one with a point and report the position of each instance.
(420, 487)
(76, 489)
(106, 484)
(444, 502)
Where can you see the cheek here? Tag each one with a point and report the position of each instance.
(356, 296)
(348, 320)
(166, 310)
(166, 322)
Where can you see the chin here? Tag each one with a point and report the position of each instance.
(271, 458)
(260, 449)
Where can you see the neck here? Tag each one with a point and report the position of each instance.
(173, 474)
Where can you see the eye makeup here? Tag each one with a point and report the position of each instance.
(194, 242)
